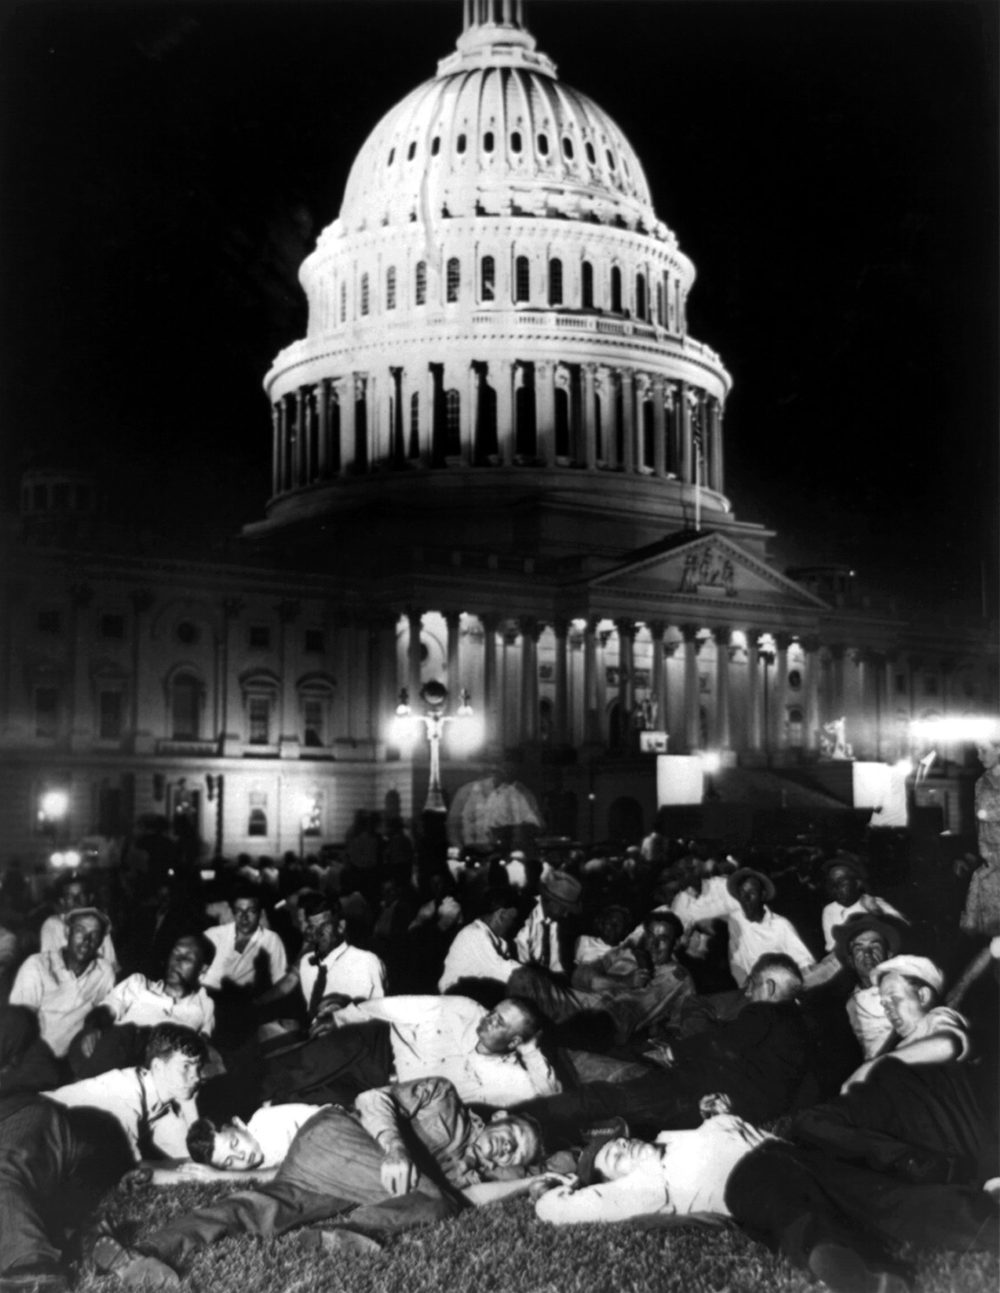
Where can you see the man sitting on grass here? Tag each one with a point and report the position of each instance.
(408, 1153)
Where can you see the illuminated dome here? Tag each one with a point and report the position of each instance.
(497, 322)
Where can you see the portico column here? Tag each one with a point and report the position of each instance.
(718, 476)
(753, 690)
(810, 645)
(626, 672)
(276, 448)
(626, 376)
(530, 631)
(591, 727)
(692, 725)
(545, 412)
(348, 414)
(659, 430)
(413, 662)
(469, 410)
(658, 680)
(452, 619)
(782, 641)
(560, 628)
(687, 462)
(722, 736)
(323, 431)
(504, 379)
(490, 625)
(837, 653)
(604, 390)
(589, 426)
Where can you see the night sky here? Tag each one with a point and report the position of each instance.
(831, 169)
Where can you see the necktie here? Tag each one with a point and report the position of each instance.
(319, 987)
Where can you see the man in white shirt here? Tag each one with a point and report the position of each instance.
(247, 955)
(62, 987)
(482, 949)
(538, 941)
(847, 887)
(332, 972)
(862, 944)
(72, 895)
(177, 998)
(492, 1057)
(754, 929)
(154, 1104)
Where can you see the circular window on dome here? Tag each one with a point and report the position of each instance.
(187, 633)
(591, 155)
(488, 142)
(543, 145)
(609, 155)
(460, 144)
(411, 152)
(567, 147)
(515, 142)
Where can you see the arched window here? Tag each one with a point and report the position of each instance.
(795, 728)
(364, 293)
(390, 288)
(640, 296)
(460, 144)
(555, 282)
(420, 281)
(488, 142)
(257, 824)
(567, 148)
(591, 155)
(587, 281)
(659, 304)
(411, 152)
(454, 277)
(435, 145)
(185, 707)
(543, 145)
(343, 303)
(487, 278)
(452, 423)
(522, 279)
(515, 142)
(616, 289)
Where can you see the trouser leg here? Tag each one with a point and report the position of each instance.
(337, 1066)
(649, 1104)
(38, 1157)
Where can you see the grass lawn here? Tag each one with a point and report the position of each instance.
(506, 1250)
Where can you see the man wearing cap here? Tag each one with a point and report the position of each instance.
(72, 895)
(538, 941)
(847, 887)
(861, 944)
(63, 986)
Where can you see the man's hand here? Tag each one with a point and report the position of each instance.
(549, 1181)
(710, 1106)
(399, 1172)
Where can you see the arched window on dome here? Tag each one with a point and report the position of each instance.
(460, 144)
(435, 145)
(413, 450)
(453, 278)
(616, 290)
(364, 293)
(390, 288)
(555, 282)
(591, 155)
(420, 283)
(522, 279)
(487, 278)
(515, 141)
(659, 304)
(411, 152)
(640, 296)
(648, 435)
(587, 283)
(543, 145)
(610, 159)
(567, 145)
(452, 424)
(343, 303)
(488, 142)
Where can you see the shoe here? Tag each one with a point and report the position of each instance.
(844, 1271)
(34, 1279)
(338, 1239)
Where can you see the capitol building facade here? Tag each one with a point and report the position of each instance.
(498, 464)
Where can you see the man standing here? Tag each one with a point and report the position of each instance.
(408, 1153)
(538, 941)
(247, 956)
(63, 986)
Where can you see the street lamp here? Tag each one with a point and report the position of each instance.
(53, 806)
(404, 731)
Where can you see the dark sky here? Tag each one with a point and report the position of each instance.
(830, 167)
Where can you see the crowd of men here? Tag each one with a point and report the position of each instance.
(368, 1044)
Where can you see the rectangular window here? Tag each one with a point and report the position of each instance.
(315, 640)
(46, 711)
(49, 622)
(453, 278)
(260, 636)
(313, 723)
(260, 720)
(110, 713)
(112, 626)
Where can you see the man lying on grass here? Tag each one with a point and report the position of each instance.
(408, 1153)
(827, 1217)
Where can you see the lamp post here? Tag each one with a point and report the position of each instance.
(434, 696)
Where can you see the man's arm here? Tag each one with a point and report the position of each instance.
(382, 1119)
(28, 989)
(392, 1010)
(612, 1201)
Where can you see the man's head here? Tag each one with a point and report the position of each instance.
(188, 957)
(560, 895)
(774, 978)
(508, 1140)
(751, 889)
(617, 1157)
(323, 925)
(246, 911)
(73, 893)
(229, 1147)
(863, 943)
(988, 753)
(507, 1027)
(909, 986)
(499, 910)
(845, 880)
(612, 923)
(175, 1057)
(661, 931)
(85, 930)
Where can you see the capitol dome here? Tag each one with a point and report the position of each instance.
(498, 321)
